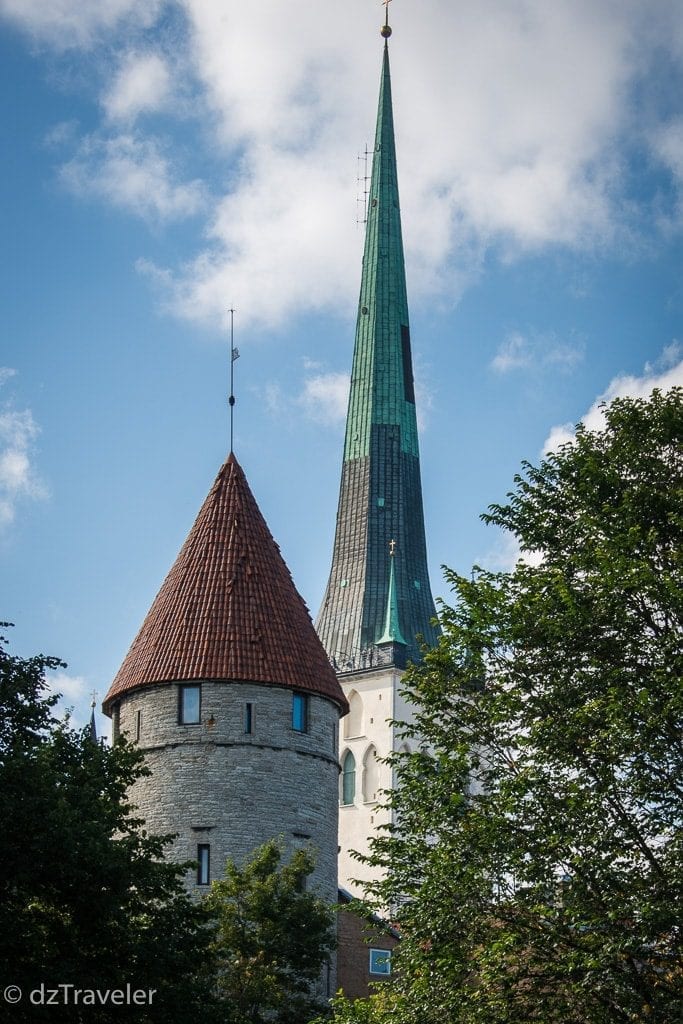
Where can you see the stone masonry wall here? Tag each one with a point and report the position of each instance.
(213, 783)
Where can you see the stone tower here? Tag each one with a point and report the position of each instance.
(378, 600)
(229, 692)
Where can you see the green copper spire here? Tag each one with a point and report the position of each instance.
(392, 628)
(382, 376)
(380, 496)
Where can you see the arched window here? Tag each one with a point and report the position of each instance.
(353, 723)
(370, 775)
(348, 778)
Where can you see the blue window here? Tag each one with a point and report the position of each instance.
(189, 702)
(299, 712)
(348, 778)
(380, 961)
(248, 717)
(203, 864)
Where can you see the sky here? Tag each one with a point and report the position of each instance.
(166, 160)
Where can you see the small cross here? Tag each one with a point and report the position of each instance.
(94, 699)
(392, 543)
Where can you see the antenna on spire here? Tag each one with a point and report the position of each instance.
(364, 178)
(386, 27)
(234, 354)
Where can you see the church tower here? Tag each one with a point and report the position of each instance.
(378, 606)
(229, 693)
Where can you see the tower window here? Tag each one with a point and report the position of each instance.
(300, 712)
(189, 704)
(138, 725)
(380, 961)
(348, 779)
(203, 864)
(248, 717)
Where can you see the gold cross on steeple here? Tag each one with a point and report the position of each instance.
(392, 548)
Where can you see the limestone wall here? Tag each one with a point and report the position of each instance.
(213, 783)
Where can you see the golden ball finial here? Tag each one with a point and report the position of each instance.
(386, 31)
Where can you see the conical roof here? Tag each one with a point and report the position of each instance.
(228, 609)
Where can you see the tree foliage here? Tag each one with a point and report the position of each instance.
(274, 939)
(86, 898)
(535, 865)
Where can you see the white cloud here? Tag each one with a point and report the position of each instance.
(325, 397)
(666, 373)
(75, 703)
(134, 174)
(6, 372)
(72, 23)
(18, 480)
(515, 123)
(506, 552)
(513, 354)
(667, 144)
(141, 85)
(537, 351)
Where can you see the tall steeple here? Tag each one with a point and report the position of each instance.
(380, 498)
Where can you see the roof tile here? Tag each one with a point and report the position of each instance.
(228, 608)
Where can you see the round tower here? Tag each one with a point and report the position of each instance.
(230, 694)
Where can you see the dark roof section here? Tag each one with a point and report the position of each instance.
(228, 609)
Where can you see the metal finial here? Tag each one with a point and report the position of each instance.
(392, 547)
(386, 27)
(234, 354)
(93, 702)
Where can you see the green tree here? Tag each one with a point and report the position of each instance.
(535, 867)
(274, 939)
(86, 898)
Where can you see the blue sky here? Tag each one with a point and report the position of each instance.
(163, 161)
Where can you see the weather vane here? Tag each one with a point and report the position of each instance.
(234, 354)
(386, 28)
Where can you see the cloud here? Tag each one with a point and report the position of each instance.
(666, 373)
(18, 479)
(141, 85)
(134, 174)
(76, 23)
(539, 351)
(515, 123)
(513, 354)
(75, 702)
(505, 554)
(325, 397)
(667, 143)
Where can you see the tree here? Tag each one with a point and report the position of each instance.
(535, 864)
(274, 939)
(86, 898)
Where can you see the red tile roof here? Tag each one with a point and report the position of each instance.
(228, 608)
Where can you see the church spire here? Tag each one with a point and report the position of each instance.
(380, 497)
